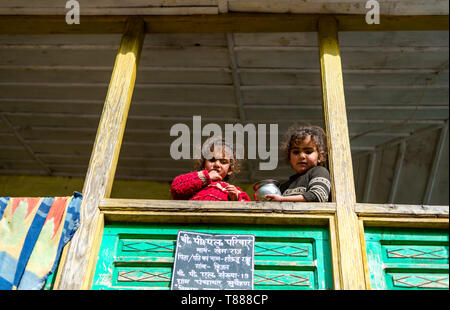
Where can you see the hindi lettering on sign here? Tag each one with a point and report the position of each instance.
(213, 262)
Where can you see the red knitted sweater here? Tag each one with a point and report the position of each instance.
(197, 185)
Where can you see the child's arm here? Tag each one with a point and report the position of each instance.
(187, 185)
(236, 194)
(318, 189)
(294, 198)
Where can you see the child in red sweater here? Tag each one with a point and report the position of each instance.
(209, 182)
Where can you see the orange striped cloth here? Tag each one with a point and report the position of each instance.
(33, 232)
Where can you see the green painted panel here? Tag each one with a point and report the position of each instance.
(419, 280)
(279, 279)
(147, 247)
(154, 277)
(141, 256)
(407, 259)
(416, 253)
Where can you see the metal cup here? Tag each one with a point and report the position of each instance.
(264, 187)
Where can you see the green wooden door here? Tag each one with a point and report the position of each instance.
(141, 256)
(407, 259)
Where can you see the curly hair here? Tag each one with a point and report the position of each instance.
(210, 145)
(297, 133)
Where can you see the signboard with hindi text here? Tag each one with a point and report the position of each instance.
(213, 262)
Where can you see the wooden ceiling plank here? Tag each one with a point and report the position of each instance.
(292, 113)
(93, 11)
(361, 96)
(212, 69)
(184, 76)
(61, 39)
(195, 56)
(355, 58)
(109, 3)
(359, 77)
(224, 23)
(57, 57)
(185, 40)
(387, 7)
(20, 74)
(347, 39)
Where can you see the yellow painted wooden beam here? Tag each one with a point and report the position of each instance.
(364, 254)
(351, 269)
(407, 222)
(231, 218)
(77, 270)
(401, 210)
(222, 23)
(334, 253)
(252, 207)
(393, 23)
(231, 212)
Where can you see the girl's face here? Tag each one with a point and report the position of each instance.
(304, 156)
(219, 163)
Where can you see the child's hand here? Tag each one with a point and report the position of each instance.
(214, 176)
(233, 192)
(274, 197)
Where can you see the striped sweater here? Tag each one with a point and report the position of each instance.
(197, 185)
(314, 185)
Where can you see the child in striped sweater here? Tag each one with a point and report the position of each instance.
(306, 151)
(210, 180)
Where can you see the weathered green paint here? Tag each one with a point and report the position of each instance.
(50, 281)
(405, 259)
(140, 256)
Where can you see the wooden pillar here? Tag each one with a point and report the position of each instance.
(80, 256)
(351, 272)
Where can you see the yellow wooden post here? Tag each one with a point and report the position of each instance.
(79, 258)
(351, 271)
